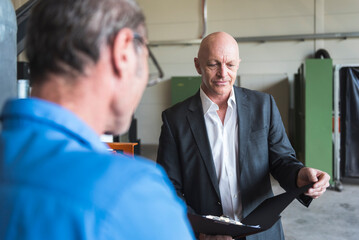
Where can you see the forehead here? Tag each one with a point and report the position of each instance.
(221, 51)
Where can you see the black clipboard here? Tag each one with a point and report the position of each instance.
(260, 219)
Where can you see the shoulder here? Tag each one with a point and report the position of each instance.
(111, 174)
(134, 193)
(252, 97)
(110, 180)
(142, 197)
(252, 94)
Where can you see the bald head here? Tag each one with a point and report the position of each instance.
(217, 40)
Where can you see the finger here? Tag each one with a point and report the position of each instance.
(323, 180)
(315, 193)
(324, 186)
(313, 175)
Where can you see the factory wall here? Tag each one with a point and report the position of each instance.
(181, 20)
(169, 20)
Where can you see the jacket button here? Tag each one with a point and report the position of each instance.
(219, 203)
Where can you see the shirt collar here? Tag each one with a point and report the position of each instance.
(232, 99)
(55, 116)
(208, 104)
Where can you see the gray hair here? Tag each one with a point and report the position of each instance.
(65, 35)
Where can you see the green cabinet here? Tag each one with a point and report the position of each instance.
(313, 114)
(183, 87)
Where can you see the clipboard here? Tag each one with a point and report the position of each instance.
(260, 219)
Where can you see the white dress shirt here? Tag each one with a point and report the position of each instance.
(223, 139)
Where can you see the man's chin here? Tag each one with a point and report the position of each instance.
(223, 88)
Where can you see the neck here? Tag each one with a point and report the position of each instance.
(76, 95)
(220, 100)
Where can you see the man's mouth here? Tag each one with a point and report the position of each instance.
(221, 82)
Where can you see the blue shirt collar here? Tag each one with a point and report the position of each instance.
(55, 116)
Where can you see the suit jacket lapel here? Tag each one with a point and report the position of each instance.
(244, 120)
(198, 127)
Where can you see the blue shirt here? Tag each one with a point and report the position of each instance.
(58, 181)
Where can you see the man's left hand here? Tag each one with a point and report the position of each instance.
(319, 178)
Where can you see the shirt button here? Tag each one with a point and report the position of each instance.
(219, 203)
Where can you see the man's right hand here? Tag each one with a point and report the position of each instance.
(214, 237)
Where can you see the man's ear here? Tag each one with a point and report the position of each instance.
(198, 66)
(122, 51)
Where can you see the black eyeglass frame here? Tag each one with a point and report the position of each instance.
(139, 38)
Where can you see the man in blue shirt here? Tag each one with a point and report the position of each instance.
(88, 62)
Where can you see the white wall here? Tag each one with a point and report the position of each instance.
(179, 20)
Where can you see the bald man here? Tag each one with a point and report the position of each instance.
(220, 146)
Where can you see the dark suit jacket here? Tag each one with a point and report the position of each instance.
(264, 149)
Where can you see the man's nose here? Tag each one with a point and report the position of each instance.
(222, 71)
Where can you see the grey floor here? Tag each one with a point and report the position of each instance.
(334, 216)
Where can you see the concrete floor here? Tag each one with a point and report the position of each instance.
(333, 216)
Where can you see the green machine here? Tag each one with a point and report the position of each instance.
(183, 87)
(313, 114)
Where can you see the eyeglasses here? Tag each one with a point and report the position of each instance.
(154, 78)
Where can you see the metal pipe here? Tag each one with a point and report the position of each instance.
(263, 39)
(336, 179)
(204, 18)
